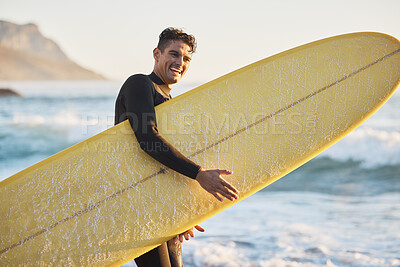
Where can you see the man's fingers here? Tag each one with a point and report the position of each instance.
(212, 182)
(216, 196)
(227, 194)
(223, 191)
(199, 228)
(229, 186)
(186, 234)
(228, 189)
(191, 233)
(224, 172)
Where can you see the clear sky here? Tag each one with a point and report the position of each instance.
(116, 38)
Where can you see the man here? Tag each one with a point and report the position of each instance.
(136, 101)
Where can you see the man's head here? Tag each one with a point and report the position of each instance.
(173, 55)
(173, 34)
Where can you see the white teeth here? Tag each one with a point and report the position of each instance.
(177, 70)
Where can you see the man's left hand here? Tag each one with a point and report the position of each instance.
(189, 233)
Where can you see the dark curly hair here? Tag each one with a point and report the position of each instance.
(171, 34)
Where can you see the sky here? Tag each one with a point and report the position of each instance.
(116, 38)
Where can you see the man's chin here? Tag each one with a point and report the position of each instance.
(175, 80)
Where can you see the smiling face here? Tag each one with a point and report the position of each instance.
(172, 63)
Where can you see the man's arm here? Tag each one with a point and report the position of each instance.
(137, 97)
(138, 100)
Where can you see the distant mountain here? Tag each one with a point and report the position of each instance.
(25, 54)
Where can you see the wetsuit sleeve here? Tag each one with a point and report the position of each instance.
(138, 100)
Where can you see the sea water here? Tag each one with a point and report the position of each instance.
(340, 209)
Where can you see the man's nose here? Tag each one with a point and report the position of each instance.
(179, 61)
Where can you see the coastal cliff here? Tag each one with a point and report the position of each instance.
(25, 54)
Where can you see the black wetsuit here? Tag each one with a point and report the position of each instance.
(135, 102)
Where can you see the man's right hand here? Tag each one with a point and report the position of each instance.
(212, 182)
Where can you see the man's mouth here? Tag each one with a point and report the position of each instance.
(176, 70)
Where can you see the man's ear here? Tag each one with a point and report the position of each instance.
(156, 54)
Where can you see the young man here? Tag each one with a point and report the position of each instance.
(136, 101)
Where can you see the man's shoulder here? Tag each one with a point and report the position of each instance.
(137, 81)
(138, 78)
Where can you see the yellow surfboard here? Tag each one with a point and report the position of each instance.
(105, 202)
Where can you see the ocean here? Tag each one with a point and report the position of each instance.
(340, 209)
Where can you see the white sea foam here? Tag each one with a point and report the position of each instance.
(372, 147)
(65, 118)
(68, 122)
(276, 262)
(298, 229)
(215, 254)
(33, 120)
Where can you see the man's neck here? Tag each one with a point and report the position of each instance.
(165, 88)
